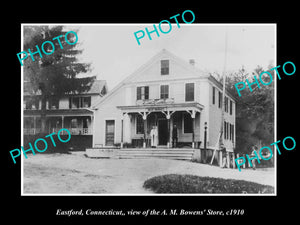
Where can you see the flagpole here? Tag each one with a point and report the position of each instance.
(220, 142)
(224, 91)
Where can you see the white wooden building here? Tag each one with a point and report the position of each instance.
(163, 92)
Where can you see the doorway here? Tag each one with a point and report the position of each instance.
(162, 132)
(109, 132)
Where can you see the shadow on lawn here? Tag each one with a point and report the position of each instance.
(175, 183)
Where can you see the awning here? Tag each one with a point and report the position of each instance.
(60, 112)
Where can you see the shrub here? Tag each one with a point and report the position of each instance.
(175, 183)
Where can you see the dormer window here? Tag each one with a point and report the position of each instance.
(164, 67)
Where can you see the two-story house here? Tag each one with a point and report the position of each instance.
(163, 92)
(72, 111)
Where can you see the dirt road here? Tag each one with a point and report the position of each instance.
(76, 174)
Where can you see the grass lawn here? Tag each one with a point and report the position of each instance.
(175, 183)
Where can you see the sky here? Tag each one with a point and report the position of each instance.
(114, 52)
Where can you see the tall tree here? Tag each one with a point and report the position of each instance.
(55, 75)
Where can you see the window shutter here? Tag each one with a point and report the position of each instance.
(146, 92)
(139, 93)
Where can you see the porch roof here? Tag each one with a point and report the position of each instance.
(60, 112)
(185, 106)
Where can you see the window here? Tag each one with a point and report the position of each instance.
(187, 123)
(139, 124)
(86, 102)
(164, 67)
(227, 130)
(226, 104)
(74, 123)
(31, 103)
(74, 102)
(213, 95)
(28, 104)
(225, 137)
(232, 130)
(164, 91)
(142, 93)
(103, 91)
(53, 103)
(220, 99)
(230, 108)
(79, 102)
(189, 92)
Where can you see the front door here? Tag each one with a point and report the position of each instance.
(109, 132)
(162, 132)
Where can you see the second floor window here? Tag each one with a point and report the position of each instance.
(189, 92)
(220, 99)
(226, 104)
(164, 67)
(53, 103)
(164, 91)
(79, 102)
(142, 93)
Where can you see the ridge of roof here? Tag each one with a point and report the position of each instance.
(147, 64)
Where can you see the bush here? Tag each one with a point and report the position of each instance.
(174, 183)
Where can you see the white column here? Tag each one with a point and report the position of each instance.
(228, 160)
(233, 160)
(34, 125)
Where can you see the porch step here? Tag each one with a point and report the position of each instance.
(184, 154)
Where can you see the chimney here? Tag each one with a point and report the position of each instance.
(192, 62)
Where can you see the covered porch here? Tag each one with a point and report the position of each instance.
(78, 122)
(138, 121)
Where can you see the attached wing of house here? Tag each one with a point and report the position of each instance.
(72, 111)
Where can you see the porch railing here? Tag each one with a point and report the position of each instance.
(73, 131)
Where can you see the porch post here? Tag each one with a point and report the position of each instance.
(233, 160)
(193, 115)
(228, 160)
(205, 140)
(145, 129)
(169, 132)
(221, 159)
(34, 124)
(122, 131)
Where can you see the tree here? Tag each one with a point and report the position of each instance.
(254, 110)
(55, 75)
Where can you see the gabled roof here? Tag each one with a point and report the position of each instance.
(130, 79)
(146, 65)
(96, 88)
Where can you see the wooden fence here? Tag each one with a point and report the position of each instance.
(205, 156)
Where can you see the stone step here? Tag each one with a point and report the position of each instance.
(156, 152)
(185, 154)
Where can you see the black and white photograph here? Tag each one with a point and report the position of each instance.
(134, 115)
(159, 117)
